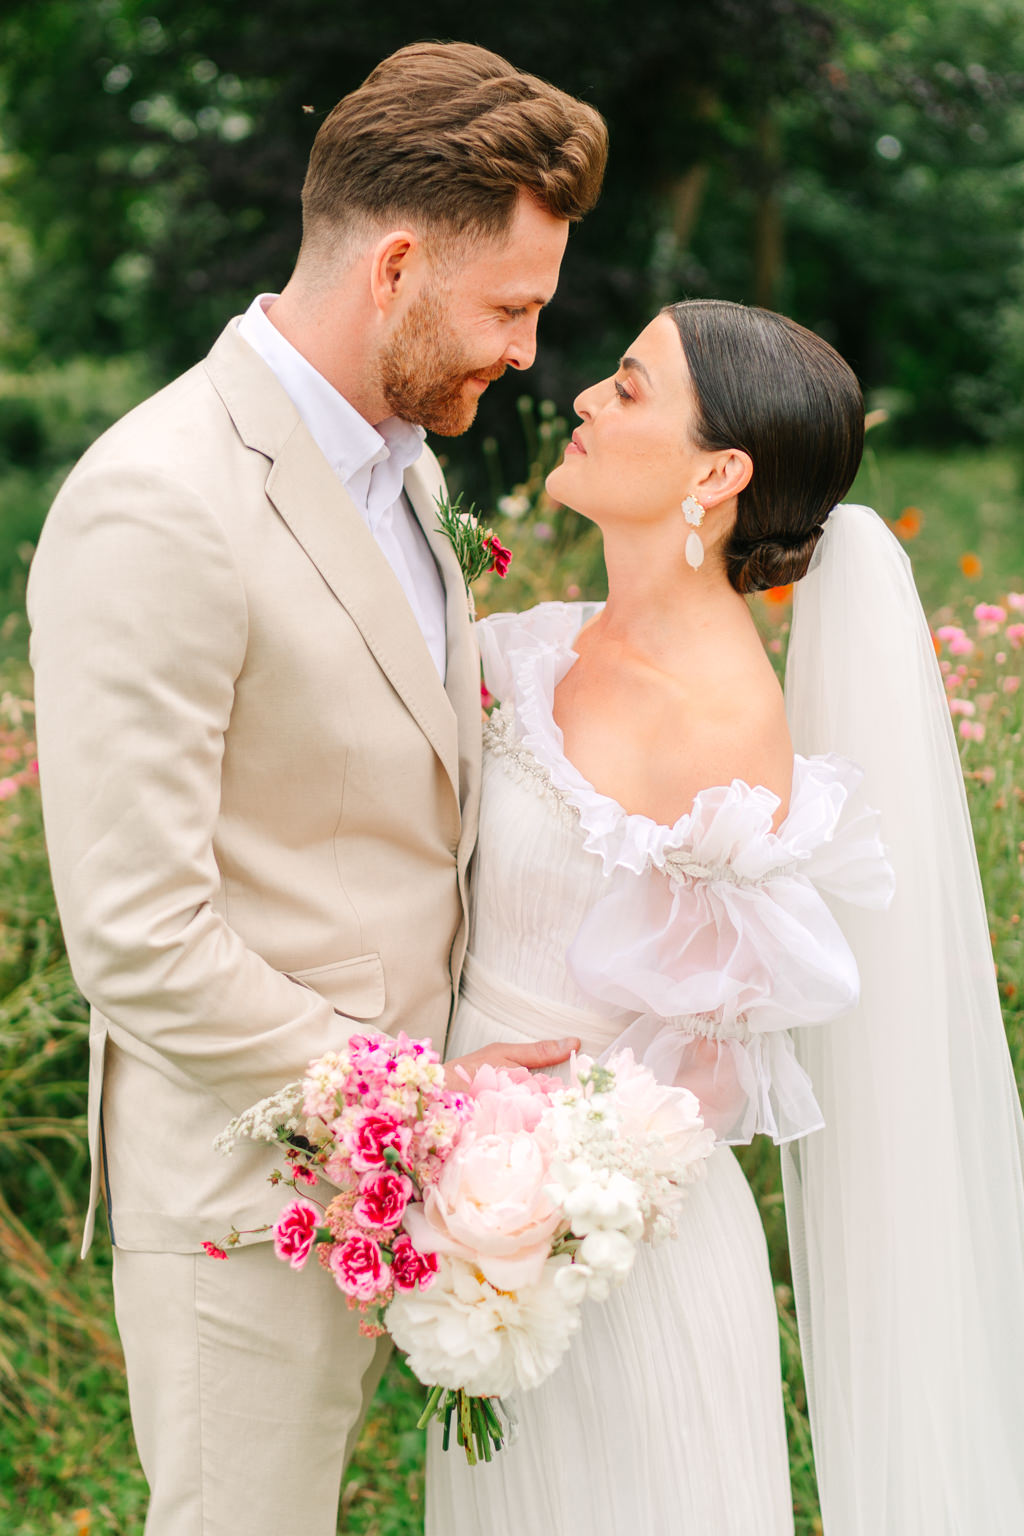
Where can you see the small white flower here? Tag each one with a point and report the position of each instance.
(609, 1254)
(514, 506)
(263, 1120)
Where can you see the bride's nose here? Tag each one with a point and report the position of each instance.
(586, 402)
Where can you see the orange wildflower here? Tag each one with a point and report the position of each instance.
(937, 643)
(970, 565)
(909, 523)
(779, 595)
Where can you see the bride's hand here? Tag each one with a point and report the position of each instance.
(537, 1055)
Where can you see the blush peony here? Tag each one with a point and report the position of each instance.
(490, 1205)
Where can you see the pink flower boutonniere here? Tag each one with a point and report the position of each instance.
(477, 549)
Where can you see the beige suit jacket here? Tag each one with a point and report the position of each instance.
(260, 800)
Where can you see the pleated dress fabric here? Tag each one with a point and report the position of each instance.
(665, 1418)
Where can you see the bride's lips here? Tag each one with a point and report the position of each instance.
(574, 445)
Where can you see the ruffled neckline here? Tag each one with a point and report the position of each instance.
(525, 657)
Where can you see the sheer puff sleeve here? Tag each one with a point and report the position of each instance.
(716, 932)
(719, 937)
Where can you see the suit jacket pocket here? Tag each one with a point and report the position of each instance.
(354, 987)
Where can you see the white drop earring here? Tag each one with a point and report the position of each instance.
(693, 511)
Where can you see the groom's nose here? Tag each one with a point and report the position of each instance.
(521, 347)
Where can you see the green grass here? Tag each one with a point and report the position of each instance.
(67, 1463)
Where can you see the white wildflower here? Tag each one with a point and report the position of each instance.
(514, 506)
(282, 1111)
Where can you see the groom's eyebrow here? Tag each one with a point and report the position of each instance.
(628, 364)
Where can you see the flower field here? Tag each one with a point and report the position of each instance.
(66, 1458)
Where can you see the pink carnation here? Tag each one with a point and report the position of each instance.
(213, 1251)
(295, 1231)
(411, 1269)
(372, 1135)
(358, 1267)
(383, 1198)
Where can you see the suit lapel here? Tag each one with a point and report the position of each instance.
(322, 517)
(423, 482)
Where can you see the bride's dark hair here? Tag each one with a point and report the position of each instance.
(777, 391)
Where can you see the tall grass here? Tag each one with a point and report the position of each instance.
(67, 1462)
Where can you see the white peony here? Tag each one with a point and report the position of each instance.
(463, 1332)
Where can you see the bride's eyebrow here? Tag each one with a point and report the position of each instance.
(633, 364)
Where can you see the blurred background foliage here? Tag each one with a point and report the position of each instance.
(856, 163)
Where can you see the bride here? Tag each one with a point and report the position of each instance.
(658, 867)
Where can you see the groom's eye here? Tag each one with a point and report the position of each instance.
(515, 314)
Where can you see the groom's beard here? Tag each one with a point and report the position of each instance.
(424, 372)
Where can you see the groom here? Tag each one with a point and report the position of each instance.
(258, 715)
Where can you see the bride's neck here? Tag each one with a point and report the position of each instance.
(657, 602)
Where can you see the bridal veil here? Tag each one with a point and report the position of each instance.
(906, 1213)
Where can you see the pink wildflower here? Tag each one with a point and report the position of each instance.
(958, 641)
(1015, 635)
(1011, 683)
(972, 730)
(302, 1174)
(989, 613)
(961, 707)
(1015, 600)
(8, 787)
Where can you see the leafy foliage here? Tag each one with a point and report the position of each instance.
(857, 164)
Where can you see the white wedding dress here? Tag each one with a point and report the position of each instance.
(697, 945)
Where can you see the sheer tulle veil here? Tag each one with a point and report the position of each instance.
(906, 1213)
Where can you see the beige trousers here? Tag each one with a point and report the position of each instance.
(247, 1384)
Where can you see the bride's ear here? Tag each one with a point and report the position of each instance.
(728, 473)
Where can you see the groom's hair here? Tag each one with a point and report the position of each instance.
(448, 134)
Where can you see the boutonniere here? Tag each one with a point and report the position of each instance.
(477, 549)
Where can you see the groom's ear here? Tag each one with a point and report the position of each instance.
(395, 266)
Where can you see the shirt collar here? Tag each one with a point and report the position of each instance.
(351, 446)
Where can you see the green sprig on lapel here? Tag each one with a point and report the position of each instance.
(477, 549)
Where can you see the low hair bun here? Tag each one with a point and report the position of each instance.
(780, 394)
(754, 566)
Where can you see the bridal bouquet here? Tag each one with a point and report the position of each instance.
(472, 1226)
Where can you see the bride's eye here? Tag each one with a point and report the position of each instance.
(621, 391)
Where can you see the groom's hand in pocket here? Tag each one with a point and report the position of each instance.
(538, 1055)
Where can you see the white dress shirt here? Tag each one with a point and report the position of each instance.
(370, 463)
